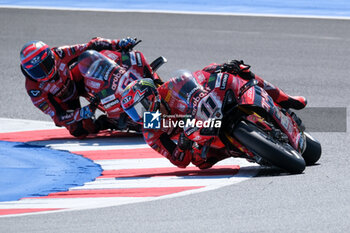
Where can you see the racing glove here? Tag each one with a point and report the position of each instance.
(235, 67)
(98, 44)
(239, 68)
(126, 43)
(184, 143)
(86, 112)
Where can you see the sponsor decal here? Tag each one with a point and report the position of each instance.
(108, 72)
(198, 98)
(200, 76)
(127, 78)
(286, 123)
(181, 107)
(190, 131)
(139, 60)
(59, 52)
(44, 106)
(47, 87)
(114, 110)
(224, 82)
(112, 56)
(108, 99)
(132, 58)
(189, 95)
(93, 84)
(51, 113)
(97, 72)
(62, 66)
(42, 84)
(111, 104)
(116, 78)
(265, 101)
(66, 116)
(212, 78)
(125, 57)
(54, 89)
(38, 101)
(209, 107)
(218, 80)
(104, 93)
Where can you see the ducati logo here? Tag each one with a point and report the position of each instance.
(34, 93)
(60, 53)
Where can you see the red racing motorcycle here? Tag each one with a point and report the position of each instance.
(107, 73)
(253, 126)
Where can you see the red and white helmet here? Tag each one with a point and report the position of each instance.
(38, 61)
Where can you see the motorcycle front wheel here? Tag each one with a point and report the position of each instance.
(277, 153)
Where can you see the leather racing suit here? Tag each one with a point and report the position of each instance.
(59, 96)
(182, 97)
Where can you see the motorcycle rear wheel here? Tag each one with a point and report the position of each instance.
(279, 154)
(313, 150)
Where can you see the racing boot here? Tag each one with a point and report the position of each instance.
(295, 102)
(103, 123)
(280, 97)
(213, 156)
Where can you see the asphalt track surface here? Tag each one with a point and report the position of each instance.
(307, 57)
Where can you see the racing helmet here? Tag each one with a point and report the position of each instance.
(139, 97)
(38, 61)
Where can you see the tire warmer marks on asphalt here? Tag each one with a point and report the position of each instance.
(132, 172)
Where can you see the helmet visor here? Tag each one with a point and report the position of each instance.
(42, 70)
(138, 109)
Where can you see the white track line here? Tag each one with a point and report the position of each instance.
(117, 164)
(14, 125)
(91, 144)
(179, 12)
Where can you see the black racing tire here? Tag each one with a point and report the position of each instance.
(313, 150)
(279, 154)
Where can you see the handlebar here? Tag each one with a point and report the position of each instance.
(132, 47)
(137, 42)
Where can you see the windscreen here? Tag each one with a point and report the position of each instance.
(92, 64)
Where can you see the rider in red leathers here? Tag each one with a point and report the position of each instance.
(179, 98)
(54, 83)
